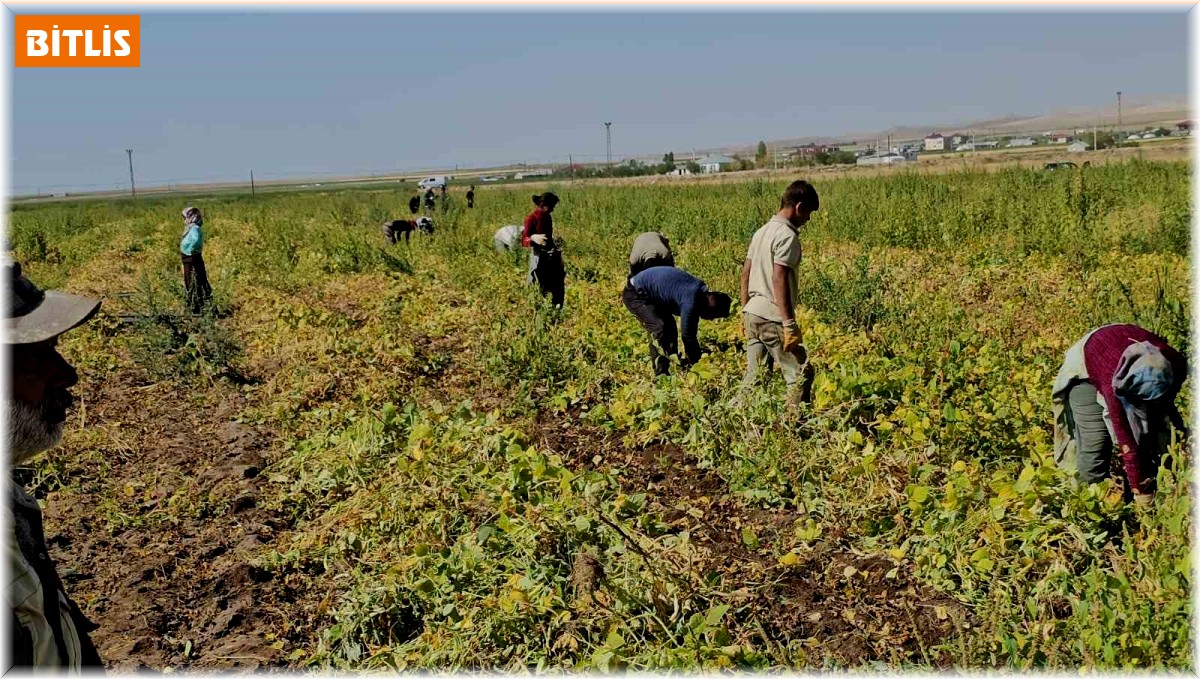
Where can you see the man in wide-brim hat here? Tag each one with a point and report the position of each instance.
(47, 629)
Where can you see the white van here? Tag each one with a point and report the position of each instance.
(433, 182)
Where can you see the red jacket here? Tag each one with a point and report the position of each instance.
(1101, 354)
(537, 222)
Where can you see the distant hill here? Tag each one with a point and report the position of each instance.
(1134, 114)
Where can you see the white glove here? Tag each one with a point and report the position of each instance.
(538, 238)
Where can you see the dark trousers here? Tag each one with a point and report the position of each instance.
(551, 276)
(660, 323)
(195, 282)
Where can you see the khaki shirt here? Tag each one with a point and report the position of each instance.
(26, 594)
(775, 242)
(651, 244)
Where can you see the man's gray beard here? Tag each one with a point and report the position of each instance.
(28, 433)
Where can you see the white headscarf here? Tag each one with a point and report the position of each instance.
(191, 215)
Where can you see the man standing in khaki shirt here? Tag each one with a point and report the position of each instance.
(769, 294)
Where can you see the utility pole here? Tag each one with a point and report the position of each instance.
(251, 182)
(132, 190)
(1093, 136)
(608, 140)
(1118, 134)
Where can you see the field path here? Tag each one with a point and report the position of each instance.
(160, 531)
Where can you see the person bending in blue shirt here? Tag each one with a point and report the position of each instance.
(656, 295)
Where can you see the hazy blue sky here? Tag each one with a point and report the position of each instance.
(319, 92)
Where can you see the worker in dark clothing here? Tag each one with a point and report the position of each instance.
(545, 256)
(471, 196)
(392, 230)
(414, 204)
(429, 199)
(658, 294)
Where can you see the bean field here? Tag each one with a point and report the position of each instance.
(375, 456)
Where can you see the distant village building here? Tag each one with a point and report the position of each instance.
(976, 145)
(956, 139)
(1058, 138)
(1022, 141)
(713, 164)
(540, 172)
(883, 159)
(1183, 125)
(1077, 147)
(680, 171)
(935, 142)
(810, 150)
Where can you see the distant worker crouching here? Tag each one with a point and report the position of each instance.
(650, 249)
(392, 230)
(507, 238)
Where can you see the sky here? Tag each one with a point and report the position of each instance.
(294, 94)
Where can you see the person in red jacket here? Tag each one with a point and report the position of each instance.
(545, 257)
(1118, 384)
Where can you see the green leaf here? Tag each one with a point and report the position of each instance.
(713, 618)
(749, 538)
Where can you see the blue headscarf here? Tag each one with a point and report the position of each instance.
(1143, 376)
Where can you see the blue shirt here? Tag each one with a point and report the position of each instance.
(678, 292)
(192, 241)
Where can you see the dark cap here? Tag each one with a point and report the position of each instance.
(32, 315)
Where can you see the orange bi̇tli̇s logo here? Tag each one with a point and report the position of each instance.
(78, 40)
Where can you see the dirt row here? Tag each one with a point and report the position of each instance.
(855, 607)
(164, 570)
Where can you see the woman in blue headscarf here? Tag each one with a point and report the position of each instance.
(195, 276)
(1118, 385)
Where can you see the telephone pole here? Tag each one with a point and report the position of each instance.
(608, 140)
(132, 190)
(251, 182)
(1118, 134)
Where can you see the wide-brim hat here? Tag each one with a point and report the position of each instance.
(33, 315)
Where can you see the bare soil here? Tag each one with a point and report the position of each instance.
(176, 585)
(854, 606)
